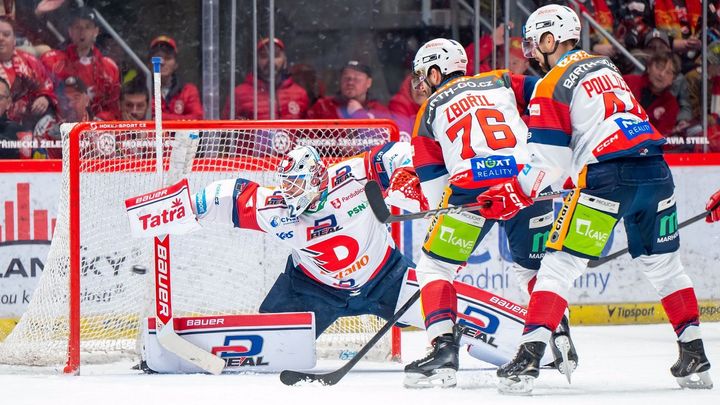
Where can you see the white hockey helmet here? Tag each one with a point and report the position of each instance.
(303, 177)
(448, 55)
(560, 21)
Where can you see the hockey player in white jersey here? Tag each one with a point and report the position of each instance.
(468, 136)
(344, 262)
(585, 123)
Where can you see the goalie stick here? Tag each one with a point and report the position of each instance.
(382, 212)
(181, 155)
(289, 377)
(611, 256)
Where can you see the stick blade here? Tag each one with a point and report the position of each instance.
(289, 377)
(377, 202)
(187, 351)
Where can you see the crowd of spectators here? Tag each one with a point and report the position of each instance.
(77, 82)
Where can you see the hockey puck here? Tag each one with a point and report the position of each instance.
(138, 269)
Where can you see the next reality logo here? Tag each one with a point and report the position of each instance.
(493, 167)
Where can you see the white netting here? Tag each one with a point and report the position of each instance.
(219, 270)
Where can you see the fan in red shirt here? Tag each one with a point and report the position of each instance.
(31, 88)
(353, 101)
(652, 90)
(292, 100)
(180, 101)
(82, 59)
(405, 104)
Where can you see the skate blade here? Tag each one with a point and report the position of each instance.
(696, 381)
(441, 378)
(518, 385)
(567, 367)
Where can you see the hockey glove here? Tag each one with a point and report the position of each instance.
(404, 191)
(503, 201)
(713, 205)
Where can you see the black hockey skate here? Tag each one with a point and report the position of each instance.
(517, 376)
(563, 349)
(691, 368)
(438, 368)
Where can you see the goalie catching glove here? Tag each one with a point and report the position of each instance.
(713, 205)
(503, 201)
(161, 212)
(404, 191)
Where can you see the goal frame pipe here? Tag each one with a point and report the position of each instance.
(72, 365)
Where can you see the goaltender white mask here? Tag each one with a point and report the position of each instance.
(303, 178)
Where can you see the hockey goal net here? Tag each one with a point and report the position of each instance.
(98, 281)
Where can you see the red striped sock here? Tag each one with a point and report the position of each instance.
(681, 308)
(439, 302)
(545, 309)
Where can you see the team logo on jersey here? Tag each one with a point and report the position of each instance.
(275, 199)
(323, 227)
(493, 167)
(341, 175)
(338, 253)
(336, 203)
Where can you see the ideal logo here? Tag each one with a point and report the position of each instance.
(539, 241)
(241, 351)
(668, 228)
(284, 235)
(323, 227)
(583, 227)
(447, 235)
(341, 175)
(176, 211)
(356, 210)
(479, 324)
(275, 199)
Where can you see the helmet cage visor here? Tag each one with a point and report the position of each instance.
(418, 78)
(528, 47)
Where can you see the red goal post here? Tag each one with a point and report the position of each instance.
(105, 162)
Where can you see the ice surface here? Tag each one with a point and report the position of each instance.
(618, 365)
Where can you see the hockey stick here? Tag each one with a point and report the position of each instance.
(166, 336)
(289, 377)
(382, 213)
(615, 255)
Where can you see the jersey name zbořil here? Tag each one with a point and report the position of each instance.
(471, 130)
(338, 243)
(582, 112)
